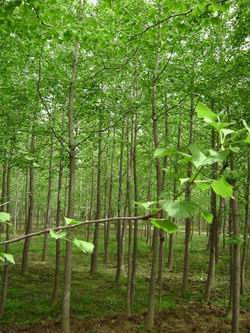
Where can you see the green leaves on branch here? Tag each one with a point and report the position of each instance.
(4, 217)
(207, 216)
(69, 221)
(7, 257)
(165, 224)
(86, 247)
(58, 235)
(205, 113)
(198, 158)
(222, 188)
(179, 209)
(247, 139)
(165, 152)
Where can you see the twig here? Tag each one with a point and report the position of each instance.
(6, 203)
(72, 226)
(159, 22)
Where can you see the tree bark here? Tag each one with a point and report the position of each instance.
(47, 216)
(93, 268)
(118, 226)
(6, 247)
(235, 263)
(246, 230)
(188, 220)
(65, 320)
(29, 222)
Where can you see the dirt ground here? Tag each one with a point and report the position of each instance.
(195, 318)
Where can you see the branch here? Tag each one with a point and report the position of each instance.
(6, 203)
(39, 18)
(72, 226)
(161, 21)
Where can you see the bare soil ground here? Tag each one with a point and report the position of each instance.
(195, 318)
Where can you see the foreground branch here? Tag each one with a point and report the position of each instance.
(71, 226)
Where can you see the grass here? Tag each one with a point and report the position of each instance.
(29, 297)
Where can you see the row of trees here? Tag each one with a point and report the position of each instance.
(90, 92)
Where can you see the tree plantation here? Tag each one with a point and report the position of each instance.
(124, 166)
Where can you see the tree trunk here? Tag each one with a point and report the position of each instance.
(65, 320)
(6, 247)
(246, 230)
(118, 225)
(93, 268)
(30, 211)
(188, 220)
(213, 231)
(136, 197)
(58, 223)
(171, 236)
(149, 320)
(47, 216)
(110, 196)
(235, 263)
(130, 230)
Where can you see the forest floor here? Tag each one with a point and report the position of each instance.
(98, 304)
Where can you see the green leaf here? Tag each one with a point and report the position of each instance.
(245, 124)
(234, 149)
(207, 216)
(164, 152)
(69, 221)
(225, 132)
(198, 158)
(145, 205)
(219, 126)
(185, 159)
(202, 185)
(86, 247)
(165, 225)
(217, 156)
(179, 209)
(184, 180)
(247, 139)
(222, 188)
(57, 235)
(4, 217)
(205, 113)
(8, 257)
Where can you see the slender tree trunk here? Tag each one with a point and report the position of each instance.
(106, 179)
(213, 232)
(118, 226)
(235, 263)
(224, 227)
(110, 196)
(130, 228)
(230, 232)
(47, 217)
(90, 214)
(26, 209)
(246, 231)
(30, 211)
(162, 238)
(136, 199)
(171, 236)
(188, 220)
(58, 223)
(149, 320)
(218, 229)
(65, 320)
(6, 247)
(93, 268)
